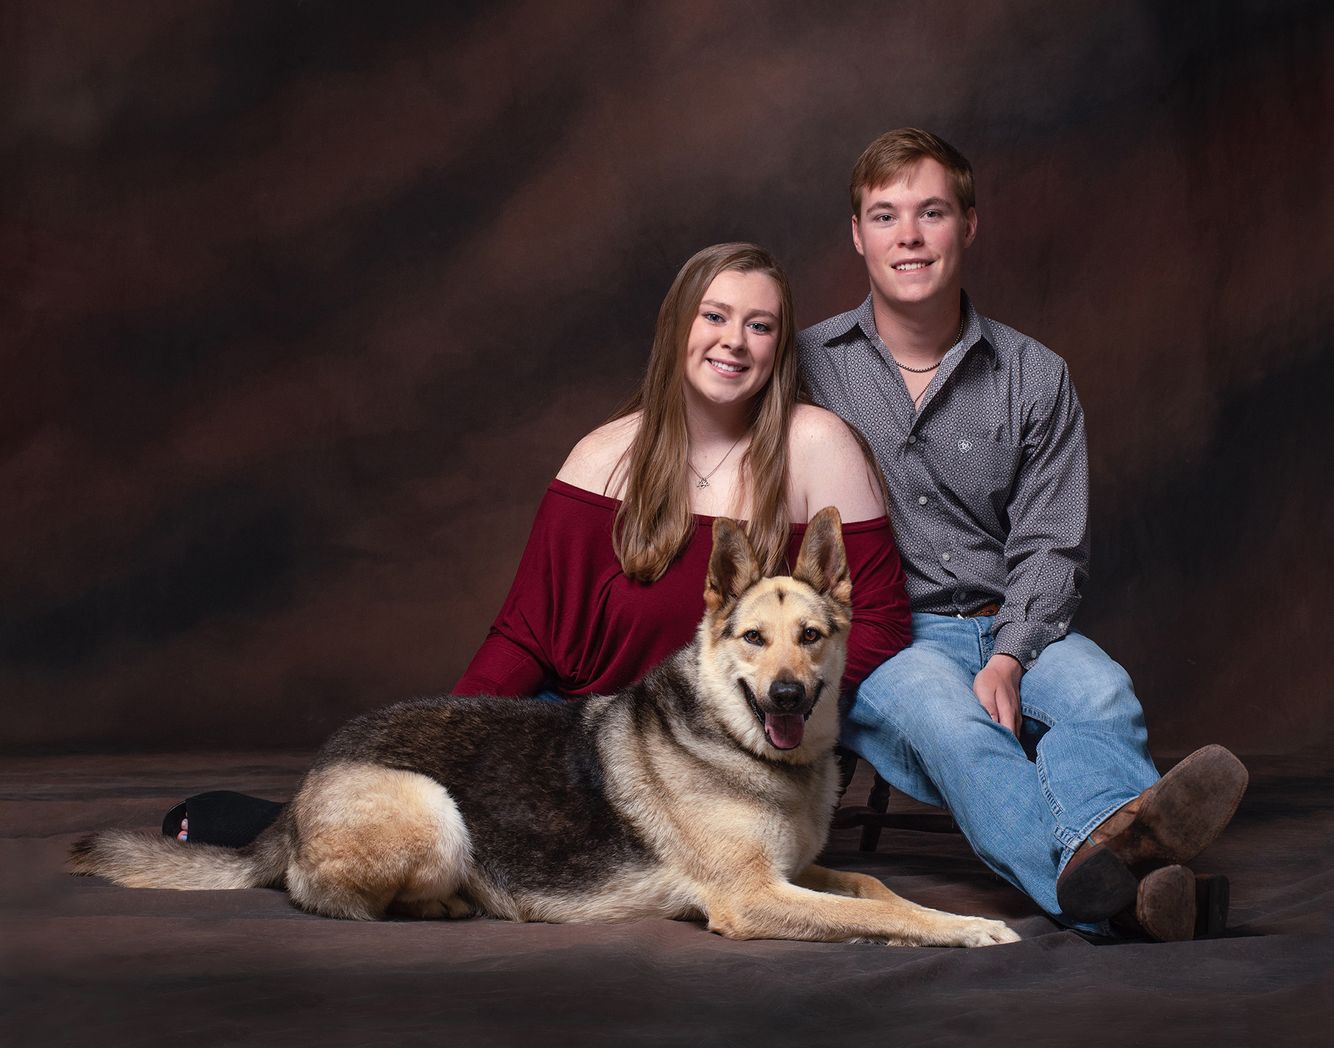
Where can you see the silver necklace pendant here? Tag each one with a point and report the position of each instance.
(704, 477)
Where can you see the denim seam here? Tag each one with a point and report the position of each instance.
(1084, 832)
(984, 640)
(1052, 802)
(1069, 840)
(1036, 713)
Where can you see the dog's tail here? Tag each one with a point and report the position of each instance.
(146, 860)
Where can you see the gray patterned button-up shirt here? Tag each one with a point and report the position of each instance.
(988, 482)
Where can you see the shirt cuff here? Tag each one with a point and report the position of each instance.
(1025, 641)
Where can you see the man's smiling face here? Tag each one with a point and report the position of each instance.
(913, 233)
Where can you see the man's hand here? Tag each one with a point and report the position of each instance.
(997, 689)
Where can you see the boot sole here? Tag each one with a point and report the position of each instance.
(1183, 813)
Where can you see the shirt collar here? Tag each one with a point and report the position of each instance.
(974, 327)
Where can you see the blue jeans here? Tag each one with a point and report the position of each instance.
(917, 721)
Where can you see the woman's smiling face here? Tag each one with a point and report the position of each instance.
(734, 338)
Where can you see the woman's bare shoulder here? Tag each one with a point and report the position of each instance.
(594, 459)
(828, 466)
(816, 429)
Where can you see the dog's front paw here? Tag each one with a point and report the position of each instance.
(978, 931)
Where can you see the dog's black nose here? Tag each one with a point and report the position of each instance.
(787, 694)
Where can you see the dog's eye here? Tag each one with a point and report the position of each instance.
(810, 635)
(752, 637)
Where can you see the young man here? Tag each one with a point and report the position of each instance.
(981, 438)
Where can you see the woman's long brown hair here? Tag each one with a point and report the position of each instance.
(654, 522)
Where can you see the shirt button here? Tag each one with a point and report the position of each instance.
(912, 439)
(944, 556)
(921, 500)
(1034, 653)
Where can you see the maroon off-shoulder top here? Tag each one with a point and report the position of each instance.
(575, 623)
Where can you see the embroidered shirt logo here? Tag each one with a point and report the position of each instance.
(965, 445)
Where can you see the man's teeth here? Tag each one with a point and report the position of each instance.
(904, 267)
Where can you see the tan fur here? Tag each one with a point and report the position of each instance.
(765, 908)
(727, 660)
(731, 823)
(137, 860)
(373, 839)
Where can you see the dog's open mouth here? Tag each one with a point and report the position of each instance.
(783, 730)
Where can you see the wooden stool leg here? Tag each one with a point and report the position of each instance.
(879, 803)
(874, 815)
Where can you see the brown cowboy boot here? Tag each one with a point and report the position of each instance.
(1175, 905)
(1169, 823)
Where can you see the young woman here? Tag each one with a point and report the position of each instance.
(612, 578)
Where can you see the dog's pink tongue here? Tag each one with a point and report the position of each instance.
(785, 729)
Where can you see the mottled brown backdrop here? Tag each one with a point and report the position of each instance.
(303, 303)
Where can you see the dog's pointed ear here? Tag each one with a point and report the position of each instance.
(732, 565)
(823, 562)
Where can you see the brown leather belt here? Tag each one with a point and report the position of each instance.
(977, 613)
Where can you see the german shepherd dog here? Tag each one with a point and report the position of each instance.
(702, 792)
